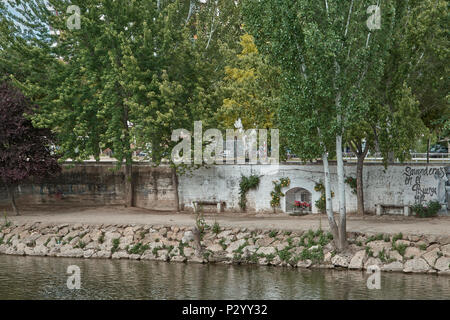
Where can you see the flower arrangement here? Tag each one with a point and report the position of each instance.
(302, 205)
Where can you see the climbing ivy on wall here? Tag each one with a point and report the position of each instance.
(321, 203)
(246, 184)
(277, 193)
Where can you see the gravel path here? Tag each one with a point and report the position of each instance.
(121, 215)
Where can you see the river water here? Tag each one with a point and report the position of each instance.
(45, 278)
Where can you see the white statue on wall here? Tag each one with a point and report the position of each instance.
(441, 190)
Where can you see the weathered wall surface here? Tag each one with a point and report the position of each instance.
(99, 184)
(398, 184)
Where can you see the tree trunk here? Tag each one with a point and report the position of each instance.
(391, 157)
(428, 149)
(359, 182)
(341, 194)
(328, 200)
(12, 199)
(175, 186)
(129, 185)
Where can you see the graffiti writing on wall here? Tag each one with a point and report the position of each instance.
(414, 179)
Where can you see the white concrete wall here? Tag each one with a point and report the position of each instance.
(390, 186)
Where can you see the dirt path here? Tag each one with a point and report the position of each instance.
(120, 215)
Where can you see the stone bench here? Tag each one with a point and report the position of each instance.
(220, 204)
(381, 208)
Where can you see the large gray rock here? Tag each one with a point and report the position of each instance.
(215, 248)
(120, 255)
(72, 253)
(378, 246)
(357, 261)
(103, 254)
(188, 237)
(413, 252)
(431, 256)
(446, 250)
(304, 263)
(443, 264)
(393, 254)
(266, 250)
(372, 262)
(235, 245)
(340, 261)
(417, 265)
(395, 266)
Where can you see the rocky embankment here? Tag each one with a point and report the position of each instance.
(394, 253)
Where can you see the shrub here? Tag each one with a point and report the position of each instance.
(216, 228)
(138, 248)
(430, 210)
(115, 244)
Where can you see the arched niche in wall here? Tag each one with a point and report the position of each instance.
(296, 194)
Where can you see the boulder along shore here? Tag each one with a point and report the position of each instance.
(310, 249)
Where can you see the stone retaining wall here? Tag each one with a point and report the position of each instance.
(395, 253)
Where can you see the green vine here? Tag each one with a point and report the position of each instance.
(321, 203)
(246, 184)
(277, 193)
(352, 183)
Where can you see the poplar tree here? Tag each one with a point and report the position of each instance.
(330, 56)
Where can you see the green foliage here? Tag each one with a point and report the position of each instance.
(383, 256)
(430, 210)
(250, 89)
(80, 245)
(138, 248)
(375, 238)
(321, 202)
(277, 193)
(369, 251)
(216, 228)
(115, 245)
(285, 254)
(396, 237)
(315, 255)
(246, 184)
(273, 234)
(401, 248)
(222, 243)
(352, 183)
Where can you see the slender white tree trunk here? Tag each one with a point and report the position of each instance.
(341, 193)
(328, 199)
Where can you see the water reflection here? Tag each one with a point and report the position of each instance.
(45, 278)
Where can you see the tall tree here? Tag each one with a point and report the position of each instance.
(250, 89)
(330, 58)
(392, 121)
(25, 151)
(128, 76)
(426, 47)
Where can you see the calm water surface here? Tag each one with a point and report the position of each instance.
(45, 278)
